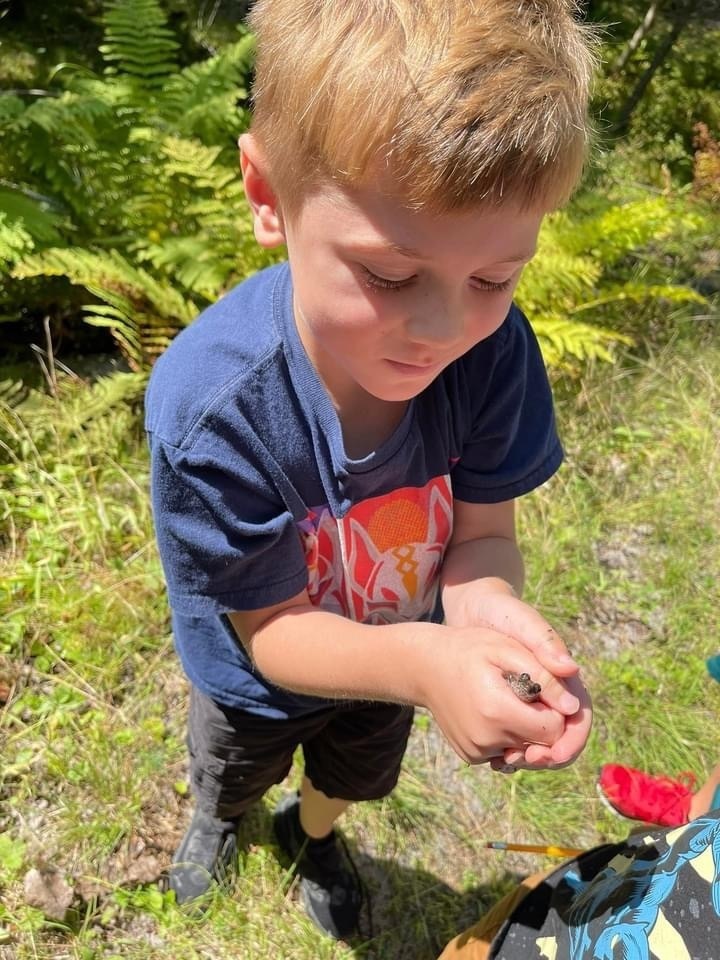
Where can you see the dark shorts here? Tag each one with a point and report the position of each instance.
(352, 751)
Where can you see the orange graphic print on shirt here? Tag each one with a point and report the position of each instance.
(380, 562)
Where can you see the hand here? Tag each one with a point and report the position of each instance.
(508, 615)
(462, 684)
(535, 756)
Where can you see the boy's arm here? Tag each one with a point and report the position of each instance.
(482, 580)
(456, 672)
(483, 557)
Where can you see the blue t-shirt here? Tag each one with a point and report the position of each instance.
(255, 499)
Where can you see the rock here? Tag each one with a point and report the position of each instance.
(47, 890)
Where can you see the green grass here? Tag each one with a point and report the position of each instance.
(622, 553)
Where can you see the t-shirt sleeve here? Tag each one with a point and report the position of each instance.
(511, 445)
(227, 538)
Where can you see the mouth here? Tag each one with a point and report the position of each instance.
(414, 369)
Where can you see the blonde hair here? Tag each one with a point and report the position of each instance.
(462, 102)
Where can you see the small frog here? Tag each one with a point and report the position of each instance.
(523, 686)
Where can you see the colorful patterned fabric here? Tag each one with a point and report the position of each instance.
(655, 897)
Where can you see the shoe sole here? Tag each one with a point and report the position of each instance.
(608, 806)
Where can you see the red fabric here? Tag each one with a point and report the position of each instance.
(641, 796)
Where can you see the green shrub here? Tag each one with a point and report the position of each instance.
(127, 184)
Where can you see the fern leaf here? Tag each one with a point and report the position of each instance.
(193, 261)
(141, 312)
(107, 393)
(560, 338)
(15, 241)
(70, 118)
(11, 107)
(138, 42)
(30, 215)
(201, 100)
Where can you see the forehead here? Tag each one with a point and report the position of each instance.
(370, 219)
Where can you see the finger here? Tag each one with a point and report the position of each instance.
(538, 756)
(546, 644)
(555, 694)
(516, 663)
(571, 744)
(527, 626)
(577, 728)
(531, 723)
(568, 746)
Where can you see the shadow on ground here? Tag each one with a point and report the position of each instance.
(409, 913)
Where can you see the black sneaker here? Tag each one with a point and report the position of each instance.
(330, 892)
(205, 856)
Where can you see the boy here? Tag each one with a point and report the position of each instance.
(337, 444)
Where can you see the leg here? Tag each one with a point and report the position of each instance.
(318, 812)
(355, 756)
(705, 799)
(234, 758)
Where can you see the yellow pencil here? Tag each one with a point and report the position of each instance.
(551, 850)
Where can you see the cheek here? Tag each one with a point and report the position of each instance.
(352, 310)
(499, 307)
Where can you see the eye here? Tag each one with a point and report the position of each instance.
(481, 284)
(376, 282)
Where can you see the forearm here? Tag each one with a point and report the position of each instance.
(311, 651)
(457, 672)
(486, 565)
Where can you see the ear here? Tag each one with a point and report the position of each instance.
(267, 215)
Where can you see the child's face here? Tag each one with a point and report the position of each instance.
(385, 298)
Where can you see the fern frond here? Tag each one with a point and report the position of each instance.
(575, 272)
(11, 107)
(138, 42)
(560, 338)
(615, 231)
(15, 241)
(212, 242)
(193, 261)
(201, 100)
(12, 394)
(70, 118)
(30, 214)
(142, 313)
(556, 277)
(106, 393)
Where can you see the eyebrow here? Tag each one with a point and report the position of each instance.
(389, 246)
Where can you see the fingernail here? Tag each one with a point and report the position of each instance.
(566, 659)
(568, 703)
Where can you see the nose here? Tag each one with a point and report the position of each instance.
(437, 321)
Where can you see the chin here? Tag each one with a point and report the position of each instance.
(399, 393)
